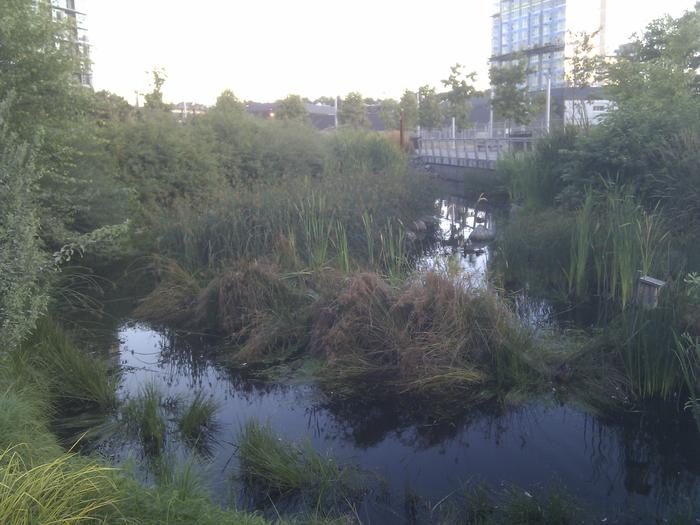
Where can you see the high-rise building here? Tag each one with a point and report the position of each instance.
(68, 11)
(544, 32)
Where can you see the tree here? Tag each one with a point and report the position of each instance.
(409, 106)
(22, 262)
(390, 113)
(353, 111)
(292, 108)
(584, 70)
(154, 99)
(510, 100)
(328, 101)
(430, 114)
(42, 74)
(228, 102)
(460, 91)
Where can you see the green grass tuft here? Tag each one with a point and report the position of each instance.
(145, 419)
(281, 468)
(198, 417)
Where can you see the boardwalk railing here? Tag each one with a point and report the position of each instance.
(481, 153)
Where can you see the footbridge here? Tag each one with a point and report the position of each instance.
(474, 148)
(470, 152)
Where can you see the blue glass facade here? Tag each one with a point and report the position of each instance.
(536, 29)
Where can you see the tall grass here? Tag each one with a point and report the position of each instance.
(57, 491)
(393, 253)
(282, 468)
(615, 242)
(537, 179)
(317, 225)
(75, 378)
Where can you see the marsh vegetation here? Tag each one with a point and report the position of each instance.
(205, 305)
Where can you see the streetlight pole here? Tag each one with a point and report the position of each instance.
(548, 117)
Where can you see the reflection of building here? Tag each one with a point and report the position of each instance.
(544, 31)
(66, 10)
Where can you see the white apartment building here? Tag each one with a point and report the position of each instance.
(545, 32)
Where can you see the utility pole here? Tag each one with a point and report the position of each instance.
(401, 130)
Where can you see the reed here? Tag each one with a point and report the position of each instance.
(368, 228)
(615, 241)
(316, 224)
(393, 252)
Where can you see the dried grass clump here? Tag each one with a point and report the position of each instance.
(174, 300)
(355, 322)
(248, 290)
(263, 311)
(435, 335)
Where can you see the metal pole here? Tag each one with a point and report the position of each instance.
(491, 116)
(335, 113)
(418, 130)
(549, 104)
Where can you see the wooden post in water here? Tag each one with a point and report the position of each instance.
(648, 290)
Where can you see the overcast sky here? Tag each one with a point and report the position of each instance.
(265, 49)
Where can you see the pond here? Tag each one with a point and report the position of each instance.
(630, 469)
(623, 471)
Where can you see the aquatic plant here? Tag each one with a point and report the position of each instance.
(522, 508)
(317, 225)
(393, 250)
(615, 242)
(283, 468)
(198, 416)
(145, 419)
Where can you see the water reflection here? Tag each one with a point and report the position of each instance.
(456, 252)
(639, 466)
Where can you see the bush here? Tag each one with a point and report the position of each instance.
(23, 279)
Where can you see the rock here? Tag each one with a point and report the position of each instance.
(482, 234)
(419, 226)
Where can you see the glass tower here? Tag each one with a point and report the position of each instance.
(535, 30)
(66, 10)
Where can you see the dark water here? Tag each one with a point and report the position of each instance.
(627, 472)
(631, 470)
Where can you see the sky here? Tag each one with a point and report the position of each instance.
(263, 50)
